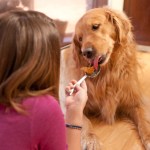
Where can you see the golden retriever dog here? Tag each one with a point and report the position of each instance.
(103, 37)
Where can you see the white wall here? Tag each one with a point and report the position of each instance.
(116, 4)
(65, 10)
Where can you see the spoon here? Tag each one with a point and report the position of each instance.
(93, 75)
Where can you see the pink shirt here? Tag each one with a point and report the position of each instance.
(42, 129)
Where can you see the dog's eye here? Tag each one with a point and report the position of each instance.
(80, 39)
(95, 27)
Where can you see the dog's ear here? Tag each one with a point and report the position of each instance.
(122, 24)
(76, 50)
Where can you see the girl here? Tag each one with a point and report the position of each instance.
(30, 116)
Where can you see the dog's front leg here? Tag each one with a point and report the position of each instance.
(89, 141)
(138, 115)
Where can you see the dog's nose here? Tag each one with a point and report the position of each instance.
(88, 53)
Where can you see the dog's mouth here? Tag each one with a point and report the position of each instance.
(94, 66)
(97, 61)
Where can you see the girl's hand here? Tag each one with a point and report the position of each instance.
(79, 98)
(76, 102)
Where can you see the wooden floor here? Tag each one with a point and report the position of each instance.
(122, 135)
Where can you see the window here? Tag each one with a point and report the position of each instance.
(65, 12)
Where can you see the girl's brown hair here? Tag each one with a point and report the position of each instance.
(29, 56)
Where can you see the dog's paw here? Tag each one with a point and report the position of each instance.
(90, 142)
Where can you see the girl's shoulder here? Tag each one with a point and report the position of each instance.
(43, 103)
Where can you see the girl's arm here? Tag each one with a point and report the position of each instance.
(74, 114)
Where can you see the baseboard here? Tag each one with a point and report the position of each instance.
(144, 48)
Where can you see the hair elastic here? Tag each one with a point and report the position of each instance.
(73, 126)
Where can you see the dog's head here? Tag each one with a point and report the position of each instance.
(97, 34)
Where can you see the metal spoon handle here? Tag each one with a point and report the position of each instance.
(78, 83)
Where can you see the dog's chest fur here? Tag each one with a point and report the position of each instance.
(112, 93)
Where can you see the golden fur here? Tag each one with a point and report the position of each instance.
(116, 91)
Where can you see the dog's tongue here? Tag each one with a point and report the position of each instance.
(96, 62)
